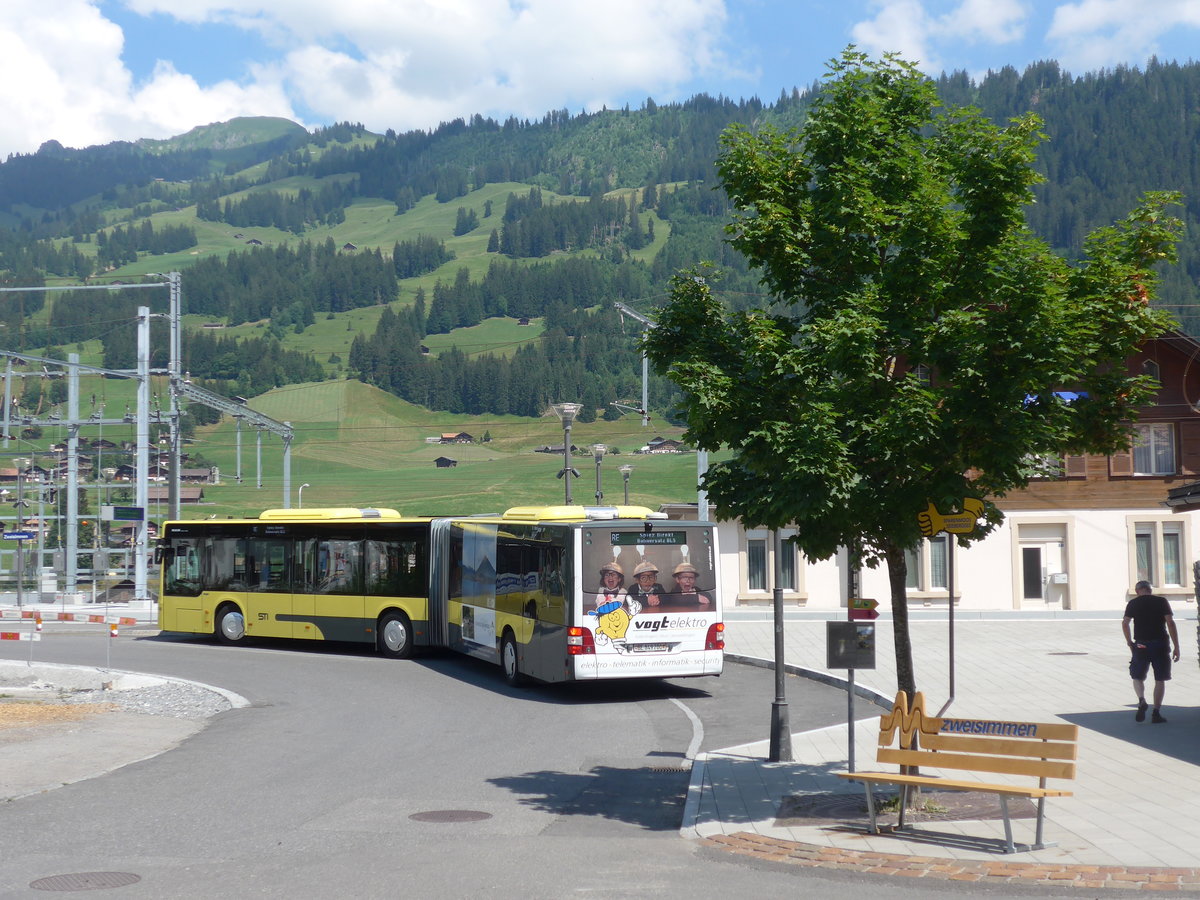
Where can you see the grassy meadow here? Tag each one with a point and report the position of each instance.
(355, 445)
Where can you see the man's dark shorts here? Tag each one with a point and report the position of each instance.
(1151, 653)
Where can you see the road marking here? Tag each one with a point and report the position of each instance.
(697, 730)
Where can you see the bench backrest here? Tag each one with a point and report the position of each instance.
(1037, 749)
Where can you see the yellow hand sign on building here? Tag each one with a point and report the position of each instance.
(933, 522)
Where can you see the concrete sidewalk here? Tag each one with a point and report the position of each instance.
(1135, 803)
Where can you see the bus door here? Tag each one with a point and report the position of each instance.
(547, 584)
(266, 577)
(472, 618)
(328, 601)
(338, 604)
(183, 584)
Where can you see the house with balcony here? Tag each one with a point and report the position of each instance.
(1078, 537)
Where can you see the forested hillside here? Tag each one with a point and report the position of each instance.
(550, 220)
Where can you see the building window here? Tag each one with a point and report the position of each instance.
(756, 564)
(1154, 449)
(788, 564)
(928, 565)
(1144, 553)
(1172, 555)
(1150, 367)
(1159, 553)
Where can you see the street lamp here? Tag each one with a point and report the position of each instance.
(598, 451)
(20, 503)
(300, 496)
(625, 470)
(567, 412)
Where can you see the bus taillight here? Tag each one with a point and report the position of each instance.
(716, 637)
(579, 641)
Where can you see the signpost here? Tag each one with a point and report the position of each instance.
(20, 537)
(933, 522)
(862, 608)
(850, 645)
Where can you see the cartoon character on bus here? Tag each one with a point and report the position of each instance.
(612, 622)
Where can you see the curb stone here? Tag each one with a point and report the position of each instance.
(1143, 878)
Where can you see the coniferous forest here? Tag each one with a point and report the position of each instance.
(595, 190)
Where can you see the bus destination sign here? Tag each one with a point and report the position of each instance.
(657, 538)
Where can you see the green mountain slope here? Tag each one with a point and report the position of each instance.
(286, 242)
(238, 133)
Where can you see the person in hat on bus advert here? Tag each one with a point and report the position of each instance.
(645, 588)
(685, 593)
(612, 584)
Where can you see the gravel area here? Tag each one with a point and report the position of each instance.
(49, 688)
(171, 698)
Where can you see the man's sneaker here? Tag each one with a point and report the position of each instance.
(1157, 718)
(1140, 715)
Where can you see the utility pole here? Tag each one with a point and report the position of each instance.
(173, 379)
(647, 324)
(20, 544)
(72, 523)
(142, 458)
(781, 730)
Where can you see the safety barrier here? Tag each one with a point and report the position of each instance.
(38, 617)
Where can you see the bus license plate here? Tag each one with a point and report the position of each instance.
(651, 648)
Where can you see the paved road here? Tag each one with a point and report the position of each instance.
(312, 790)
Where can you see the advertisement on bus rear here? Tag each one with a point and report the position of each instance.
(649, 598)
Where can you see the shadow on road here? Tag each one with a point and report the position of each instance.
(1176, 738)
(650, 798)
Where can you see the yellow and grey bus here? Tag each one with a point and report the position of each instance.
(548, 593)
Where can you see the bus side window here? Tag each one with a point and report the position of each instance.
(553, 584)
(339, 567)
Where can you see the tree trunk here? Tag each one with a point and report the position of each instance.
(898, 579)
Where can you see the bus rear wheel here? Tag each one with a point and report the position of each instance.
(508, 661)
(231, 625)
(395, 636)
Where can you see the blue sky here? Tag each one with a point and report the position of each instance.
(91, 71)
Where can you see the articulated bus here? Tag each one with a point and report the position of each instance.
(560, 593)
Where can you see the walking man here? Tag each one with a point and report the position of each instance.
(1152, 623)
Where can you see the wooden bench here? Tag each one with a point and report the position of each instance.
(1038, 750)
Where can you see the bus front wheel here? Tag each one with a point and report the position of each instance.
(231, 625)
(508, 661)
(395, 636)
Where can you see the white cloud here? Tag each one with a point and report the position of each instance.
(1092, 34)
(899, 26)
(387, 63)
(907, 27)
(62, 78)
(411, 63)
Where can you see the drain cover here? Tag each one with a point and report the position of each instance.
(1069, 653)
(85, 881)
(451, 815)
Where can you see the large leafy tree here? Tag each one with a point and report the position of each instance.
(924, 346)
